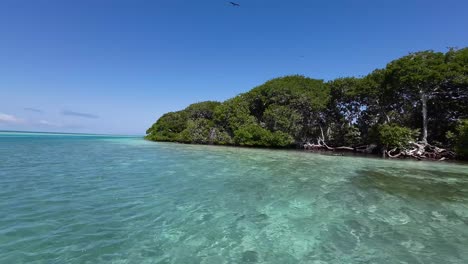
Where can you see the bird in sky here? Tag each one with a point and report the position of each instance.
(234, 4)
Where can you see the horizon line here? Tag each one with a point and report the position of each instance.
(70, 133)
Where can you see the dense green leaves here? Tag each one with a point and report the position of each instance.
(460, 138)
(419, 72)
(278, 113)
(419, 75)
(168, 127)
(395, 136)
(282, 118)
(425, 91)
(233, 114)
(255, 136)
(202, 110)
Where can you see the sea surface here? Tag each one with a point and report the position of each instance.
(103, 199)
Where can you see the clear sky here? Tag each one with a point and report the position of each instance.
(109, 66)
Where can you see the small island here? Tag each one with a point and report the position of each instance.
(417, 107)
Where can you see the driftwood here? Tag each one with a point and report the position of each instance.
(366, 149)
(321, 145)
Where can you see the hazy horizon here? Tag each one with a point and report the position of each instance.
(67, 133)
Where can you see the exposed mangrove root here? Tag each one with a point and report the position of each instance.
(421, 151)
(415, 150)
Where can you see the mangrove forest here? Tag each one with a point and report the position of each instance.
(417, 106)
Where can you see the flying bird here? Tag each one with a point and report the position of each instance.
(234, 4)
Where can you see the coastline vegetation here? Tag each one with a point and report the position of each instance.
(417, 106)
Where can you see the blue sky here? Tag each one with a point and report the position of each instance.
(109, 66)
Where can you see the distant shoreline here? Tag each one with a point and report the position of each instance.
(66, 133)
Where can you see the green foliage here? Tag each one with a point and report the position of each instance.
(256, 136)
(297, 91)
(345, 97)
(418, 71)
(395, 136)
(280, 139)
(457, 70)
(352, 137)
(220, 137)
(197, 132)
(282, 118)
(300, 98)
(251, 135)
(346, 107)
(233, 114)
(202, 109)
(384, 108)
(168, 127)
(460, 138)
(419, 77)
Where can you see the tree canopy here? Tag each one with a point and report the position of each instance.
(424, 91)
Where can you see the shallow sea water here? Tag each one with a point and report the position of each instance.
(102, 199)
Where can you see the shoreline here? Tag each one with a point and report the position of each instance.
(339, 153)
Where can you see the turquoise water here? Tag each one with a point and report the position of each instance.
(98, 199)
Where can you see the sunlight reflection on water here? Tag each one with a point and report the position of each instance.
(126, 200)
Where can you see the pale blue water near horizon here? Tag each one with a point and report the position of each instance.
(105, 199)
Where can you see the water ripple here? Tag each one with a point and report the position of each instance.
(124, 200)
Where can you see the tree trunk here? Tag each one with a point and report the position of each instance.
(212, 135)
(424, 116)
(323, 136)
